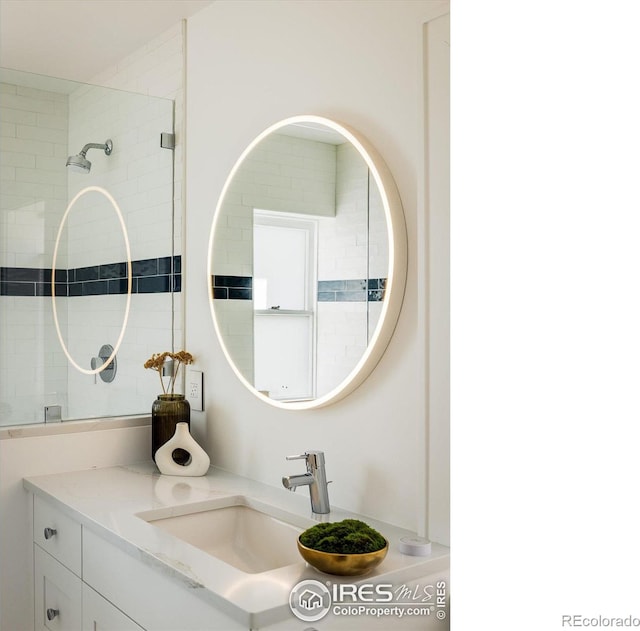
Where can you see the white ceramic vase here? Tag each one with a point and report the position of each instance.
(198, 463)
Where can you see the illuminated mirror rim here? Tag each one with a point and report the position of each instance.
(125, 235)
(394, 291)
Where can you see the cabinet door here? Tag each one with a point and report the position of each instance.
(99, 614)
(151, 597)
(58, 595)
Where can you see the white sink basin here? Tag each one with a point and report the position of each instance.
(244, 537)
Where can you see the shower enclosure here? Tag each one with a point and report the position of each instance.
(117, 192)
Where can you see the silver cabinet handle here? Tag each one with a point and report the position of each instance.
(52, 613)
(48, 533)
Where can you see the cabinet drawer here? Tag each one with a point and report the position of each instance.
(58, 594)
(99, 613)
(58, 534)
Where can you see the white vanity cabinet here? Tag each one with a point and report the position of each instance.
(83, 582)
(63, 602)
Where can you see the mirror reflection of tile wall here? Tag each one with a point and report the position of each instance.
(330, 183)
(41, 126)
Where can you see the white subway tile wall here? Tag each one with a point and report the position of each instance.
(342, 251)
(33, 139)
(342, 339)
(33, 143)
(235, 319)
(342, 255)
(156, 69)
(137, 173)
(134, 388)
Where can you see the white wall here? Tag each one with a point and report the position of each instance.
(437, 269)
(248, 66)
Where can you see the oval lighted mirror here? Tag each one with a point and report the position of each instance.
(94, 303)
(307, 262)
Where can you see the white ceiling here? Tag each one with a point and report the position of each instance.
(77, 39)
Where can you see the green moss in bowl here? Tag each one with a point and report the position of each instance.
(349, 536)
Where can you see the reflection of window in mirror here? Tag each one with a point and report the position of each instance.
(284, 295)
(284, 261)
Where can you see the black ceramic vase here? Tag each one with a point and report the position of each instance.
(166, 412)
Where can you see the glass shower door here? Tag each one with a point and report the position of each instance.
(44, 121)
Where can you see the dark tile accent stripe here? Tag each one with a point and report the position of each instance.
(44, 289)
(358, 290)
(154, 284)
(233, 281)
(145, 267)
(232, 287)
(24, 275)
(95, 288)
(376, 289)
(8, 288)
(113, 270)
(119, 286)
(150, 276)
(87, 273)
(240, 294)
(347, 290)
(164, 265)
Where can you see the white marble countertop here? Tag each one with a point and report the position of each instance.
(106, 501)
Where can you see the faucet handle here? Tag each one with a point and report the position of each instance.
(313, 459)
(309, 455)
(303, 456)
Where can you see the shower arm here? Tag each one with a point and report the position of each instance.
(106, 147)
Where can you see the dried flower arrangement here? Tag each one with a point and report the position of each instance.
(157, 361)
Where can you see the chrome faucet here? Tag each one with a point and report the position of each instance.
(315, 478)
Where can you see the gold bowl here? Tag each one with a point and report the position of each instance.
(343, 564)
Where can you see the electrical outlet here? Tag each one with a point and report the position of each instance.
(195, 386)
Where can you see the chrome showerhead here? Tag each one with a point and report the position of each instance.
(79, 162)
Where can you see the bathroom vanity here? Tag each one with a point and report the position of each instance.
(125, 548)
